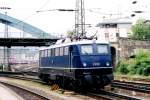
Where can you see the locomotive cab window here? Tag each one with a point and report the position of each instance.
(102, 49)
(86, 49)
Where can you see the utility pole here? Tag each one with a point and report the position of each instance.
(80, 19)
(6, 50)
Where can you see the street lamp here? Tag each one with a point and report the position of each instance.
(134, 2)
(138, 11)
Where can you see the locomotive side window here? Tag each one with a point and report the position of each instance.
(61, 51)
(45, 53)
(86, 49)
(42, 53)
(65, 50)
(49, 53)
(56, 51)
(102, 49)
(52, 52)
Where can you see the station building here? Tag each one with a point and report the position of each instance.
(111, 29)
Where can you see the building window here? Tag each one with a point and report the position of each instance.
(117, 35)
(106, 35)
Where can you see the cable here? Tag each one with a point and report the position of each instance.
(44, 4)
(34, 12)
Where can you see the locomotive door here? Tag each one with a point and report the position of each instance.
(70, 57)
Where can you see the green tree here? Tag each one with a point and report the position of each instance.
(70, 33)
(141, 30)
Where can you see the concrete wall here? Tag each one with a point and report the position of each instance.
(126, 47)
(129, 47)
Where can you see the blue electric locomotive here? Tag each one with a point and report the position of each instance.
(81, 63)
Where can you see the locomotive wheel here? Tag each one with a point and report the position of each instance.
(44, 78)
(66, 83)
(76, 84)
(61, 81)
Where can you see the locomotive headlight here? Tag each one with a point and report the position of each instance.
(84, 64)
(107, 63)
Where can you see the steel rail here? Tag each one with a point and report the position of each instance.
(3, 73)
(140, 87)
(112, 96)
(28, 90)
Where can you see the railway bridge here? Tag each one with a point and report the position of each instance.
(41, 38)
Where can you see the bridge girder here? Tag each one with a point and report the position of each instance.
(34, 31)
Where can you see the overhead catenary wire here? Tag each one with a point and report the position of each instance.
(69, 10)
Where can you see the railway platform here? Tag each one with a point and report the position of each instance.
(8, 94)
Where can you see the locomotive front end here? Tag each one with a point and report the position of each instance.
(95, 67)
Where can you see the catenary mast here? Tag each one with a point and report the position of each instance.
(80, 19)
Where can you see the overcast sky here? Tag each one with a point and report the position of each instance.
(61, 22)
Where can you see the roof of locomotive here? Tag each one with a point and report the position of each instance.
(76, 43)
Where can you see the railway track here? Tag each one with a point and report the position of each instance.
(31, 76)
(26, 93)
(34, 79)
(140, 87)
(4, 73)
(99, 94)
(111, 96)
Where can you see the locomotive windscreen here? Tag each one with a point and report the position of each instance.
(102, 49)
(94, 49)
(86, 49)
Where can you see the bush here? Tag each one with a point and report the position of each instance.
(139, 71)
(121, 68)
(146, 71)
(140, 64)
